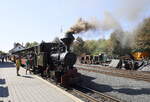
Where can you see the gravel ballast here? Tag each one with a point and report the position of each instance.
(126, 89)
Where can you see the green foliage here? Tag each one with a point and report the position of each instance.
(143, 36)
(28, 44)
(116, 44)
(92, 47)
(2, 52)
(78, 46)
(120, 43)
(102, 46)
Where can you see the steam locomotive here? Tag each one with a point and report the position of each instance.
(53, 60)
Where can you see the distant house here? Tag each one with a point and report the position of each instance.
(17, 47)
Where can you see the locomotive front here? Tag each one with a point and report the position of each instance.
(63, 61)
(63, 55)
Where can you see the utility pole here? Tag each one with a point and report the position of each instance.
(61, 29)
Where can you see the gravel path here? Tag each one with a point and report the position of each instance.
(125, 89)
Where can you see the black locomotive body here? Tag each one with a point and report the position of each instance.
(53, 60)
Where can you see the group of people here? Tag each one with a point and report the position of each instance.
(28, 64)
(2, 58)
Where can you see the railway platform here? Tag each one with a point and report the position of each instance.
(29, 88)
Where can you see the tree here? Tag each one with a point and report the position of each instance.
(34, 43)
(78, 47)
(2, 52)
(91, 46)
(103, 46)
(143, 36)
(28, 44)
(120, 46)
(116, 44)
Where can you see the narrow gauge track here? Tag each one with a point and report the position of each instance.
(114, 69)
(88, 94)
(120, 73)
(94, 96)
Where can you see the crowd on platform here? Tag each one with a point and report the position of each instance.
(3, 58)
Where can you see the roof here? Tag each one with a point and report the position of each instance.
(17, 47)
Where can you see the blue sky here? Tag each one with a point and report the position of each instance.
(37, 20)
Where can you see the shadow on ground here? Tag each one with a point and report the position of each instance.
(4, 91)
(2, 81)
(6, 64)
(129, 91)
(25, 76)
(88, 81)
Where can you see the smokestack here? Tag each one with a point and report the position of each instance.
(68, 40)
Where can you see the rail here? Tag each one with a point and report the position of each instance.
(120, 73)
(94, 96)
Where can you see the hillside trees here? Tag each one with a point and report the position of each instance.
(120, 42)
(92, 47)
(104, 46)
(78, 46)
(142, 40)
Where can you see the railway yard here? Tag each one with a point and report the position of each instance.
(97, 84)
(75, 51)
(121, 84)
(56, 71)
(137, 75)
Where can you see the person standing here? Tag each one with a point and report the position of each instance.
(18, 64)
(28, 65)
(2, 59)
(6, 58)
